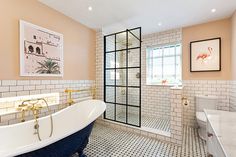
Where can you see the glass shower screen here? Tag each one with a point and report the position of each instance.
(122, 76)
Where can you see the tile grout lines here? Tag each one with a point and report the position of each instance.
(107, 142)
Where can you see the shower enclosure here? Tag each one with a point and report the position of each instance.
(122, 76)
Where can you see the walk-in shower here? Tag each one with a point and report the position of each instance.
(122, 76)
(122, 84)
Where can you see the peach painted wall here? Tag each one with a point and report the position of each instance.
(221, 28)
(79, 40)
(233, 46)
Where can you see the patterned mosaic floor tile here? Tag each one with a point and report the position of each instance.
(158, 123)
(108, 142)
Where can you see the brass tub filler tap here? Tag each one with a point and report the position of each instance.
(70, 100)
(35, 105)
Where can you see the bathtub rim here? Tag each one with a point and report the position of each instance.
(44, 117)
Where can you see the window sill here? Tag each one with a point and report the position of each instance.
(163, 85)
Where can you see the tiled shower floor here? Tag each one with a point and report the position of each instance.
(160, 123)
(109, 142)
(157, 123)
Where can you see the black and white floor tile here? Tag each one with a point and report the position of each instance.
(158, 123)
(108, 142)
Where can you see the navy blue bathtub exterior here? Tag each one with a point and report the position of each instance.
(65, 147)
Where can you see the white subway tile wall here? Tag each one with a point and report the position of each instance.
(232, 104)
(176, 121)
(218, 88)
(99, 65)
(156, 99)
(13, 88)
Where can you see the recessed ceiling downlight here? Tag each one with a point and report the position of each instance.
(213, 10)
(159, 24)
(90, 8)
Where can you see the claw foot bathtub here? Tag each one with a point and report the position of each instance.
(71, 129)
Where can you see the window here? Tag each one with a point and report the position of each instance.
(164, 65)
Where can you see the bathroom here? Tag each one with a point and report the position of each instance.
(82, 78)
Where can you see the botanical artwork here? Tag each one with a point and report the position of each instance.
(41, 51)
(205, 55)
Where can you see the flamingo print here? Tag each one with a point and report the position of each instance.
(203, 56)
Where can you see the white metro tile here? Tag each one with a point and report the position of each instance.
(8, 82)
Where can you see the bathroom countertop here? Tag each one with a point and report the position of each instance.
(224, 127)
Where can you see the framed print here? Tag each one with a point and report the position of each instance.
(205, 55)
(41, 51)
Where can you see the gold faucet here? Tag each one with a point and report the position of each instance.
(22, 108)
(29, 105)
(70, 100)
(34, 106)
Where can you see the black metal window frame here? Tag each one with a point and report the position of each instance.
(126, 68)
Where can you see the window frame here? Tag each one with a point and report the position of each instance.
(149, 64)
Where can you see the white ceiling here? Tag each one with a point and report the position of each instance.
(116, 15)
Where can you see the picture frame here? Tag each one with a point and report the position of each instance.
(205, 55)
(41, 51)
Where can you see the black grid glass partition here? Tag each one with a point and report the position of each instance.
(122, 76)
